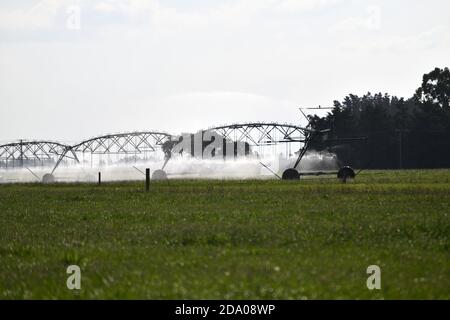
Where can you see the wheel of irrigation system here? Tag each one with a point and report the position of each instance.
(159, 175)
(345, 173)
(48, 178)
(290, 174)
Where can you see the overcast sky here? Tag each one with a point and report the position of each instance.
(71, 69)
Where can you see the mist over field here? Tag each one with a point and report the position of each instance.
(176, 168)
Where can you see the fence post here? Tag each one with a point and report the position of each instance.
(147, 179)
(99, 178)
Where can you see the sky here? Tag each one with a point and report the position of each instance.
(75, 69)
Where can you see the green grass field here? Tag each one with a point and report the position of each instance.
(312, 239)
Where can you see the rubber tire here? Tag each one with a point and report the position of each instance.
(159, 175)
(290, 174)
(48, 178)
(345, 173)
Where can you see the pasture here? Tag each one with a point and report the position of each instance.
(229, 239)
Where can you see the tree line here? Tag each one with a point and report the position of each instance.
(394, 132)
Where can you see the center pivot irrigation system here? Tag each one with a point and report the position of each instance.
(144, 145)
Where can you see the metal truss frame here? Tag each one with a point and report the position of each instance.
(259, 133)
(123, 143)
(32, 151)
(255, 133)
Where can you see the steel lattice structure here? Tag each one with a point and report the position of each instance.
(142, 143)
(47, 152)
(123, 143)
(139, 145)
(32, 152)
(258, 134)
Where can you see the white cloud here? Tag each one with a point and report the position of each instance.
(126, 7)
(45, 13)
(204, 109)
(145, 64)
(238, 13)
(304, 5)
(41, 15)
(426, 40)
(370, 21)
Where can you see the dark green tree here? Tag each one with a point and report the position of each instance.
(412, 133)
(435, 89)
